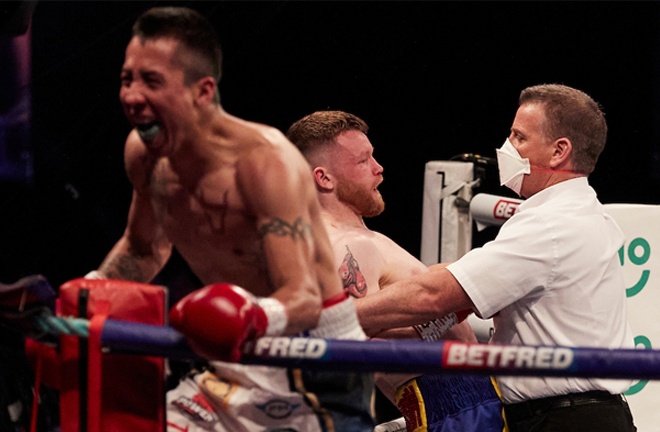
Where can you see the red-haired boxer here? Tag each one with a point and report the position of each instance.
(236, 200)
(347, 177)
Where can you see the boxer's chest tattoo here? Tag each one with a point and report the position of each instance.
(352, 278)
(216, 214)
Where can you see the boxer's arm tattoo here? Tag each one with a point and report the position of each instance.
(298, 229)
(123, 267)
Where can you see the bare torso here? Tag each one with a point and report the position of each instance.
(370, 261)
(204, 212)
(209, 226)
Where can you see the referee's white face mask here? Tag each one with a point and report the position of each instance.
(511, 166)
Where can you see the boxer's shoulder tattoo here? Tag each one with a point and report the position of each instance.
(298, 229)
(351, 276)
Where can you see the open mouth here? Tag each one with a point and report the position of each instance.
(148, 131)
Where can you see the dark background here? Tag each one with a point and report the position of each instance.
(432, 79)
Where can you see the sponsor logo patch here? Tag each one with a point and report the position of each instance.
(194, 409)
(277, 408)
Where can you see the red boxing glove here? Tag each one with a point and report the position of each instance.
(218, 319)
(434, 330)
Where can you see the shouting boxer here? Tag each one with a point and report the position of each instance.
(237, 201)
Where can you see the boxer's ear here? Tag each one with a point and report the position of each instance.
(205, 90)
(323, 179)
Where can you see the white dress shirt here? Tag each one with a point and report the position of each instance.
(552, 276)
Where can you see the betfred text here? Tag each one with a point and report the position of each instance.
(310, 348)
(505, 357)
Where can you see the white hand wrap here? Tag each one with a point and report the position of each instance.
(95, 274)
(339, 321)
(434, 330)
(276, 314)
